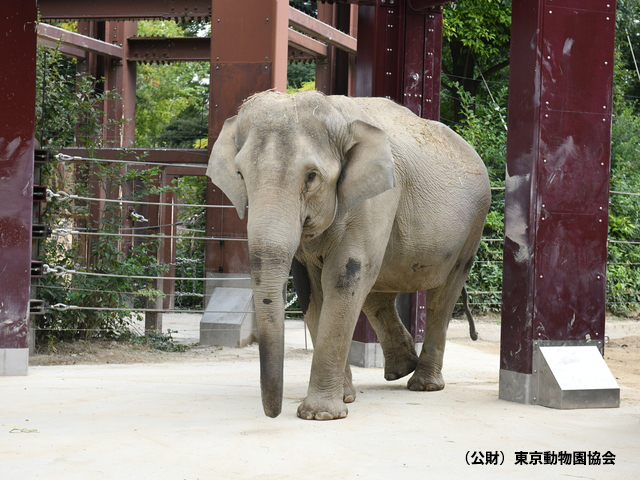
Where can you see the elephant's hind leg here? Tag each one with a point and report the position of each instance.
(400, 357)
(440, 304)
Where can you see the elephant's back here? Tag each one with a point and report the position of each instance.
(413, 135)
(428, 154)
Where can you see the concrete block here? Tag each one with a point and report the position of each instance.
(229, 320)
(14, 362)
(230, 280)
(370, 355)
(366, 355)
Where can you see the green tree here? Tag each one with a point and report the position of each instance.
(623, 269)
(628, 47)
(306, 6)
(187, 129)
(165, 91)
(300, 73)
(475, 45)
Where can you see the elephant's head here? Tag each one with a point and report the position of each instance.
(297, 162)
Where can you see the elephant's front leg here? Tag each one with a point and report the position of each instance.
(344, 294)
(312, 317)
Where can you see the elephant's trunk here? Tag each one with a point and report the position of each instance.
(272, 245)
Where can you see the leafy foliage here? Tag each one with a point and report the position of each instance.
(628, 37)
(306, 6)
(484, 129)
(298, 74)
(190, 251)
(70, 112)
(158, 341)
(476, 39)
(187, 129)
(63, 97)
(172, 100)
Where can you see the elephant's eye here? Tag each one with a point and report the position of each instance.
(241, 177)
(311, 176)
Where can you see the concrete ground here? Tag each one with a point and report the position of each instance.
(203, 419)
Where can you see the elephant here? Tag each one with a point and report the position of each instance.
(360, 199)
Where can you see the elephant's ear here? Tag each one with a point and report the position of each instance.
(222, 168)
(368, 169)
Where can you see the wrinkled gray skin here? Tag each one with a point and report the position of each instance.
(371, 200)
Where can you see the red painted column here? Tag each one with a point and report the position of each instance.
(557, 183)
(17, 107)
(120, 77)
(249, 54)
(399, 57)
(334, 73)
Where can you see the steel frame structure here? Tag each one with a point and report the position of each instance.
(558, 144)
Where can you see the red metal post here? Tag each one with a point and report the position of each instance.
(556, 198)
(248, 55)
(333, 72)
(399, 57)
(120, 77)
(17, 104)
(153, 212)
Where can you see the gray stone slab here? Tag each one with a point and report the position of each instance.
(366, 355)
(14, 362)
(230, 319)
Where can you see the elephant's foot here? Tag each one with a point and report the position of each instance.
(399, 365)
(424, 381)
(349, 390)
(322, 409)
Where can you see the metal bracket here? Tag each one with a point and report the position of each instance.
(39, 231)
(43, 156)
(39, 193)
(37, 307)
(37, 269)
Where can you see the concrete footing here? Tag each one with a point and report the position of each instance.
(14, 361)
(369, 355)
(366, 355)
(566, 375)
(230, 320)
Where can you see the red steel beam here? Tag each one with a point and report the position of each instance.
(75, 40)
(174, 49)
(67, 50)
(124, 9)
(298, 56)
(187, 171)
(307, 44)
(120, 77)
(322, 31)
(198, 49)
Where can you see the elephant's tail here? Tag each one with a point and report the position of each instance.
(472, 326)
